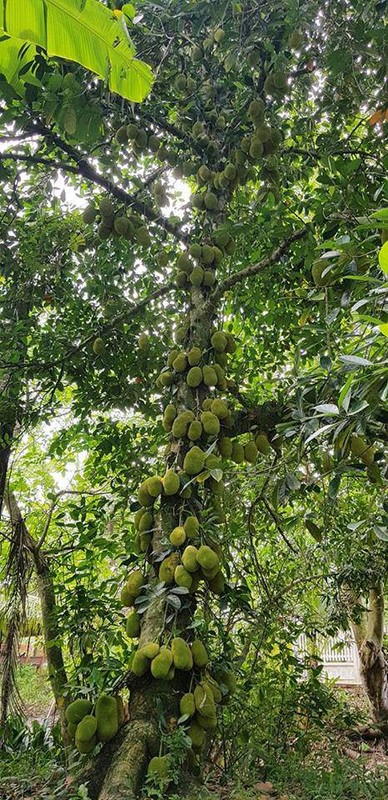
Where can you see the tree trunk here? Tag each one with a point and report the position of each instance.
(373, 664)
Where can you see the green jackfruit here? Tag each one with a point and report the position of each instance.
(219, 341)
(182, 577)
(107, 718)
(228, 678)
(194, 356)
(207, 558)
(197, 129)
(217, 584)
(280, 80)
(98, 346)
(126, 597)
(150, 650)
(216, 487)
(144, 496)
(181, 654)
(209, 375)
(85, 747)
(195, 251)
(135, 582)
(87, 728)
(104, 231)
(195, 430)
(132, 625)
(194, 460)
(166, 378)
(180, 363)
(143, 237)
(361, 449)
(71, 729)
(170, 360)
(77, 710)
(219, 408)
(209, 278)
(161, 664)
(181, 281)
(207, 404)
(212, 462)
(262, 443)
(178, 536)
(187, 705)
(211, 202)
(140, 664)
(138, 516)
(171, 482)
(197, 577)
(146, 522)
(197, 735)
(210, 574)
(199, 653)
(207, 254)
(256, 109)
(144, 542)
(196, 276)
(170, 412)
(295, 40)
(207, 723)
(210, 423)
(182, 422)
(121, 225)
(204, 700)
(215, 689)
(230, 172)
(106, 208)
(250, 452)
(256, 149)
(167, 568)
(132, 131)
(189, 558)
(162, 258)
(89, 215)
(184, 264)
(159, 767)
(237, 453)
(225, 447)
(154, 143)
(194, 377)
(191, 526)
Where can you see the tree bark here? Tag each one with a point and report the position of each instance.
(369, 634)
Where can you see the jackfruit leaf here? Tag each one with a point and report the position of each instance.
(383, 258)
(84, 31)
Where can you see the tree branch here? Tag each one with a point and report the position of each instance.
(253, 269)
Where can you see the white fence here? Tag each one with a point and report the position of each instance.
(339, 655)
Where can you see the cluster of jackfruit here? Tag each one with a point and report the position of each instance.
(199, 707)
(195, 364)
(141, 141)
(88, 724)
(238, 452)
(111, 223)
(197, 266)
(163, 660)
(191, 564)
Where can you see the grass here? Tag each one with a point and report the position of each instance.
(35, 691)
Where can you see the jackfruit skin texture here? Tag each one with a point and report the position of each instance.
(161, 664)
(143, 496)
(204, 700)
(107, 718)
(194, 461)
(262, 443)
(178, 536)
(146, 522)
(210, 423)
(191, 526)
(225, 446)
(194, 377)
(194, 356)
(140, 664)
(219, 408)
(77, 710)
(207, 558)
(135, 582)
(361, 449)
(209, 375)
(219, 341)
(87, 728)
(237, 453)
(206, 723)
(181, 654)
(187, 705)
(195, 430)
(167, 568)
(200, 656)
(159, 767)
(250, 452)
(171, 483)
(132, 625)
(182, 577)
(85, 747)
(196, 734)
(217, 584)
(150, 650)
(189, 558)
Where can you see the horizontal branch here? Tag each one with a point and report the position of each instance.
(254, 269)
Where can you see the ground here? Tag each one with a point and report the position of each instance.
(342, 763)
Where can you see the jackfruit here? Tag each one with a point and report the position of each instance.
(159, 767)
(146, 522)
(216, 487)
(161, 664)
(138, 516)
(279, 80)
(250, 452)
(195, 431)
(184, 264)
(86, 729)
(207, 723)
(154, 143)
(217, 584)
(210, 201)
(219, 35)
(132, 625)
(225, 446)
(197, 735)
(144, 542)
(197, 577)
(181, 280)
(187, 705)
(212, 462)
(104, 231)
(171, 482)
(140, 664)
(98, 346)
(219, 408)
(207, 254)
(180, 83)
(77, 710)
(253, 57)
(197, 129)
(85, 747)
(106, 208)
(230, 172)
(186, 490)
(210, 423)
(107, 718)
(181, 423)
(143, 237)
(206, 405)
(209, 278)
(194, 460)
(180, 363)
(218, 255)
(162, 258)
(126, 597)
(207, 558)
(71, 729)
(199, 653)
(204, 700)
(191, 526)
(361, 449)
(178, 536)
(219, 342)
(194, 356)
(132, 131)
(197, 201)
(256, 110)
(209, 375)
(121, 225)
(143, 495)
(256, 149)
(195, 250)
(170, 360)
(230, 247)
(182, 577)
(189, 558)
(89, 215)
(215, 689)
(149, 650)
(262, 443)
(196, 277)
(194, 377)
(181, 654)
(135, 582)
(237, 453)
(169, 416)
(167, 568)
(166, 378)
(143, 341)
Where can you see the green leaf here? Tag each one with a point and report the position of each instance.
(381, 214)
(86, 32)
(383, 257)
(327, 408)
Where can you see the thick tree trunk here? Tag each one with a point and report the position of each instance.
(373, 664)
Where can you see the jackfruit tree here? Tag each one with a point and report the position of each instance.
(224, 283)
